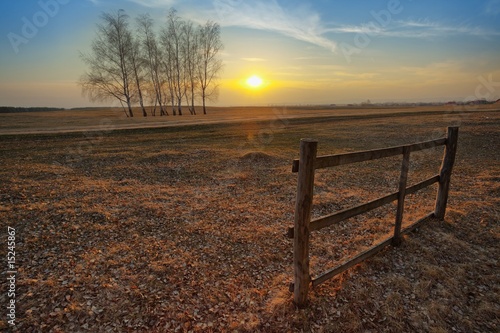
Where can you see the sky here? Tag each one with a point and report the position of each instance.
(305, 52)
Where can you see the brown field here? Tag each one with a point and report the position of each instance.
(109, 119)
(181, 228)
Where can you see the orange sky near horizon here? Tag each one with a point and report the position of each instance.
(305, 53)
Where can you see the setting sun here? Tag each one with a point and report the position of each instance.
(254, 81)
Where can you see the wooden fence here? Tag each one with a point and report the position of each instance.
(306, 166)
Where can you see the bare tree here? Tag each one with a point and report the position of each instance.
(110, 72)
(168, 69)
(191, 63)
(137, 67)
(152, 55)
(209, 65)
(140, 68)
(172, 40)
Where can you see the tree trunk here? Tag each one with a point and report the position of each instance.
(129, 107)
(153, 111)
(179, 105)
(138, 83)
(144, 113)
(159, 97)
(204, 105)
(124, 109)
(192, 98)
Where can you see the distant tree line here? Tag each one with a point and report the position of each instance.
(12, 109)
(177, 65)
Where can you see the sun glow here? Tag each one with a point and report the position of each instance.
(254, 81)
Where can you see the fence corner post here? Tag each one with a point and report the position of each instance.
(303, 205)
(405, 166)
(445, 172)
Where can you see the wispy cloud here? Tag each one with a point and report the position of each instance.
(144, 3)
(434, 29)
(303, 24)
(414, 29)
(254, 59)
(154, 3)
(370, 28)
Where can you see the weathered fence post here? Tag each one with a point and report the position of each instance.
(401, 195)
(303, 205)
(445, 172)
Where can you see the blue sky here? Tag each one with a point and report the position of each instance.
(306, 52)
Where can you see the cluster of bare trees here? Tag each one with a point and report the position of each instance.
(179, 65)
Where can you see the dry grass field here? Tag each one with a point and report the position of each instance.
(182, 228)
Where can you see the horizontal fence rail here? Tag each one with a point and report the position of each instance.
(345, 214)
(368, 155)
(303, 225)
(363, 255)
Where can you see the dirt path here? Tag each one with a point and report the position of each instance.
(106, 120)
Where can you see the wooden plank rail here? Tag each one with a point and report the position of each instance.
(351, 262)
(351, 212)
(422, 184)
(368, 155)
(306, 166)
(365, 254)
(342, 215)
